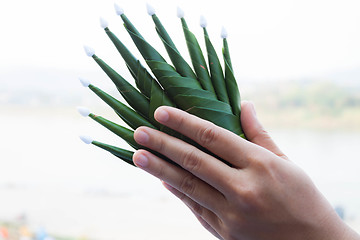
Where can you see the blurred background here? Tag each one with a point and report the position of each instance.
(298, 61)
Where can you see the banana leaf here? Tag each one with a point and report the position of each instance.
(211, 94)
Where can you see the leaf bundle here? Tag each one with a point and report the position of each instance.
(205, 89)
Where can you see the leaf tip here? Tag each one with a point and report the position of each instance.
(203, 22)
(180, 12)
(89, 50)
(103, 23)
(119, 10)
(84, 82)
(83, 111)
(224, 33)
(150, 9)
(86, 139)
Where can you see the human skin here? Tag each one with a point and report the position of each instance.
(259, 195)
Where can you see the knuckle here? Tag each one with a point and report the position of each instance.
(262, 134)
(263, 165)
(160, 145)
(252, 199)
(190, 160)
(160, 172)
(258, 160)
(187, 185)
(249, 195)
(180, 121)
(232, 183)
(207, 135)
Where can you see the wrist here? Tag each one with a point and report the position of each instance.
(334, 228)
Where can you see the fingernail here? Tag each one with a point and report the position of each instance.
(141, 161)
(161, 115)
(141, 137)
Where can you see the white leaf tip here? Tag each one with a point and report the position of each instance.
(150, 9)
(86, 139)
(84, 82)
(83, 111)
(119, 10)
(89, 50)
(224, 33)
(180, 12)
(103, 23)
(203, 22)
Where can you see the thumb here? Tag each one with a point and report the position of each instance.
(255, 132)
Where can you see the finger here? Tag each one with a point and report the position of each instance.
(182, 180)
(206, 225)
(255, 132)
(221, 142)
(200, 164)
(208, 219)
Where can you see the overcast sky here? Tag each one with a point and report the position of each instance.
(269, 39)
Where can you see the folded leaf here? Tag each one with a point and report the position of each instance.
(123, 154)
(197, 58)
(217, 75)
(135, 99)
(181, 66)
(121, 131)
(132, 118)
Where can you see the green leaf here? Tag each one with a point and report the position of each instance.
(157, 99)
(220, 118)
(217, 75)
(144, 81)
(226, 53)
(135, 99)
(133, 64)
(123, 154)
(132, 118)
(168, 77)
(197, 58)
(181, 66)
(121, 131)
(163, 33)
(230, 81)
(232, 90)
(146, 50)
(189, 101)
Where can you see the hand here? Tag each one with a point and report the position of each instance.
(262, 196)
